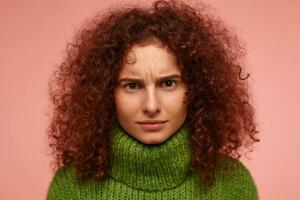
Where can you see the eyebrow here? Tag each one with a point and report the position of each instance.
(173, 76)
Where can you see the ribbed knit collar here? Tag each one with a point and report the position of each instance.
(151, 167)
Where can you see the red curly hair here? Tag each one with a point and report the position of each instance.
(220, 115)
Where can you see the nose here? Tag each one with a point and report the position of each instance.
(151, 106)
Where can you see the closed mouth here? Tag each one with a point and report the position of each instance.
(152, 122)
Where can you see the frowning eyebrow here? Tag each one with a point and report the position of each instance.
(128, 79)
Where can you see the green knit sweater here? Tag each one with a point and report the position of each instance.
(141, 171)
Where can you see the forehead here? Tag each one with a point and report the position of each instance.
(151, 58)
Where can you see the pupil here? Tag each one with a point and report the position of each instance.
(131, 85)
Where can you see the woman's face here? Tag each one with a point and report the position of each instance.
(150, 95)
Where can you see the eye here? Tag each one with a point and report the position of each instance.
(131, 85)
(169, 83)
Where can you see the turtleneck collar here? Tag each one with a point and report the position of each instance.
(151, 167)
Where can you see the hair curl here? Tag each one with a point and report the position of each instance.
(220, 115)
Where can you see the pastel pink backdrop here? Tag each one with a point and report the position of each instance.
(33, 37)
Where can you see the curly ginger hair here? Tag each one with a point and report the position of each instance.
(220, 115)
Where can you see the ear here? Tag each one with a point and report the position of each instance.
(185, 98)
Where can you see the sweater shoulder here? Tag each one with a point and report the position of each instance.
(63, 184)
(237, 179)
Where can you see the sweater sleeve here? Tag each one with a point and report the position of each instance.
(240, 183)
(63, 185)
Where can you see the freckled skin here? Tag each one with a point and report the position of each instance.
(150, 99)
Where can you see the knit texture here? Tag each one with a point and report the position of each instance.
(160, 171)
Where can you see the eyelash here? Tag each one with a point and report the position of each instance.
(127, 84)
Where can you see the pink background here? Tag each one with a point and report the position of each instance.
(34, 34)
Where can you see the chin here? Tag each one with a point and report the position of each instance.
(153, 140)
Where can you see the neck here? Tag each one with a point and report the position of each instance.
(151, 167)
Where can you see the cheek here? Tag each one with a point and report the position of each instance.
(125, 106)
(175, 103)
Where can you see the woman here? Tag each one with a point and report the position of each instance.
(150, 103)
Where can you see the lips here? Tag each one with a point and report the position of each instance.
(152, 125)
(152, 121)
